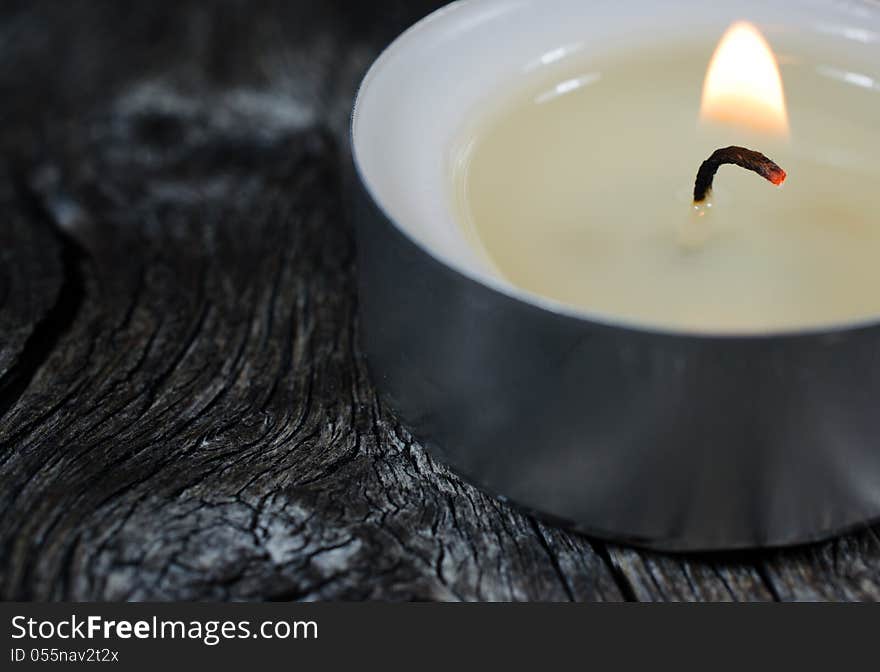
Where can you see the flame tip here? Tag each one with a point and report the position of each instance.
(743, 86)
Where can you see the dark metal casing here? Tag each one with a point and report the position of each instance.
(674, 441)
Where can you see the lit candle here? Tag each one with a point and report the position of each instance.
(577, 184)
(672, 390)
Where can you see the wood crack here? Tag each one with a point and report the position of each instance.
(58, 320)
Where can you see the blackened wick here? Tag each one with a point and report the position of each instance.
(738, 156)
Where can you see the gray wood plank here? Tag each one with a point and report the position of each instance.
(206, 426)
(655, 577)
(31, 278)
(844, 569)
(184, 409)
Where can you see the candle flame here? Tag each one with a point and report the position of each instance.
(743, 86)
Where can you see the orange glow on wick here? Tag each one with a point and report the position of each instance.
(777, 178)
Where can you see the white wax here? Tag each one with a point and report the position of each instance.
(575, 184)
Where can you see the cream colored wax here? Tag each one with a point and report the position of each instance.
(576, 186)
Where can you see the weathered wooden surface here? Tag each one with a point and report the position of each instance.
(184, 408)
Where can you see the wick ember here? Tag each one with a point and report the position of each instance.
(738, 156)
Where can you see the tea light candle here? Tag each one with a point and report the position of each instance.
(544, 307)
(575, 183)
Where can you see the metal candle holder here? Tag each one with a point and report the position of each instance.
(667, 439)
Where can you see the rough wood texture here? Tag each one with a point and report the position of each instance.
(184, 409)
(30, 279)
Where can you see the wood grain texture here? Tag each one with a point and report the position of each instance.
(655, 577)
(185, 412)
(206, 428)
(845, 569)
(31, 278)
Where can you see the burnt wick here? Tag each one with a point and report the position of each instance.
(738, 156)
